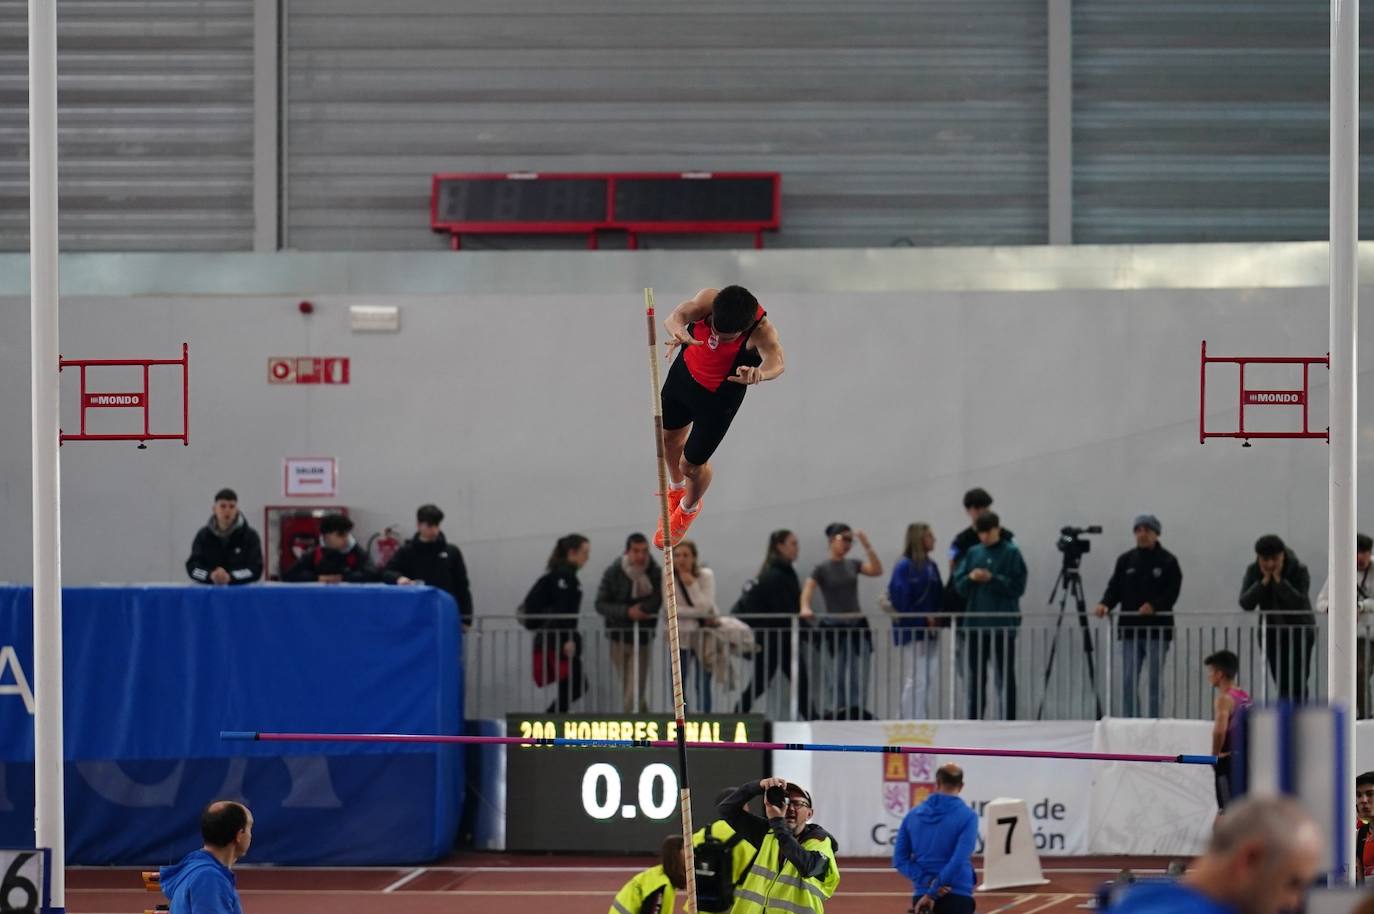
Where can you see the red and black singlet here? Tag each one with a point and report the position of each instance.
(710, 366)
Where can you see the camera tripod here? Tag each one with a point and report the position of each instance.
(1070, 583)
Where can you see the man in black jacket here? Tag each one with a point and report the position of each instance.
(1277, 584)
(430, 559)
(226, 550)
(1146, 583)
(337, 559)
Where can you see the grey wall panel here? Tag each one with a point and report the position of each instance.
(1205, 120)
(891, 120)
(155, 124)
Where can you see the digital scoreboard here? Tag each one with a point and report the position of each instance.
(531, 203)
(618, 800)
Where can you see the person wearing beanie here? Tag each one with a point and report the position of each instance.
(226, 550)
(1146, 584)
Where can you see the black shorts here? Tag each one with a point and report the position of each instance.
(1221, 776)
(685, 402)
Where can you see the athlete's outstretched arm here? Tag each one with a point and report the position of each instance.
(765, 340)
(693, 309)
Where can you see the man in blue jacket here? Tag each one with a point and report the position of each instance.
(203, 882)
(935, 848)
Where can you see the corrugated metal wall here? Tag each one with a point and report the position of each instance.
(155, 124)
(892, 121)
(1206, 120)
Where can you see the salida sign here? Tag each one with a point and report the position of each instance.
(283, 369)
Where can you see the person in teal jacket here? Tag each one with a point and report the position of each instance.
(651, 892)
(991, 579)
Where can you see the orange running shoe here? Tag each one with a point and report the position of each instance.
(679, 521)
(674, 499)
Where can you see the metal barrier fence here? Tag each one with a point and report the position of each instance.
(1046, 667)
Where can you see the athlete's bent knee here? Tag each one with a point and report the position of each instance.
(689, 469)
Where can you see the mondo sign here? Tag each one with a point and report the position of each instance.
(1275, 398)
(307, 370)
(620, 800)
(94, 401)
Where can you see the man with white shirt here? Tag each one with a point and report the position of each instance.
(1364, 603)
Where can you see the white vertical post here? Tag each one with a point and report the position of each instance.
(47, 569)
(1341, 641)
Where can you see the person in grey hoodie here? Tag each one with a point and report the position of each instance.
(203, 882)
(935, 848)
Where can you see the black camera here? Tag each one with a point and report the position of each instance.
(776, 796)
(1073, 546)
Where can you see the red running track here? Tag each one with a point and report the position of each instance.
(474, 883)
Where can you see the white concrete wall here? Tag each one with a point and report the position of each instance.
(525, 414)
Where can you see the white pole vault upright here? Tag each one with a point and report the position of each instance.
(47, 536)
(1345, 141)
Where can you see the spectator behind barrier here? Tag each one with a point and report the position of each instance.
(701, 651)
(337, 559)
(1364, 603)
(847, 639)
(770, 603)
(557, 643)
(977, 502)
(203, 882)
(1277, 584)
(226, 550)
(429, 558)
(629, 597)
(991, 578)
(1146, 582)
(915, 594)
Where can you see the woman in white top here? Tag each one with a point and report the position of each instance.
(696, 612)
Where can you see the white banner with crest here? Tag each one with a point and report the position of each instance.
(861, 798)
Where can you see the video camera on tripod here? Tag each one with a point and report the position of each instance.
(1070, 584)
(1072, 544)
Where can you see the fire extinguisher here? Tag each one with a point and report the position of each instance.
(382, 546)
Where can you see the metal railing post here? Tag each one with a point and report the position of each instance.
(794, 673)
